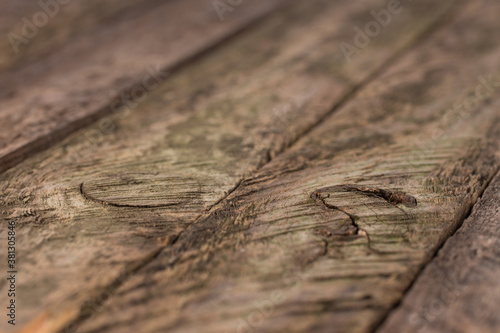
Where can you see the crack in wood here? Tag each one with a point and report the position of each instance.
(319, 197)
(92, 305)
(87, 196)
(392, 197)
(380, 325)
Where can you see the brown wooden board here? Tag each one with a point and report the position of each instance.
(122, 54)
(31, 29)
(330, 234)
(458, 291)
(96, 207)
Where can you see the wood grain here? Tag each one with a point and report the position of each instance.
(66, 22)
(458, 291)
(83, 228)
(107, 51)
(269, 258)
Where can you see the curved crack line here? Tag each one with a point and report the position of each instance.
(107, 203)
(318, 197)
(392, 197)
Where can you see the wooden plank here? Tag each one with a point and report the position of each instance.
(47, 98)
(320, 239)
(57, 23)
(458, 291)
(192, 139)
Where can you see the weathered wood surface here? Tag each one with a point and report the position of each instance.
(273, 257)
(459, 290)
(326, 235)
(66, 22)
(208, 135)
(106, 51)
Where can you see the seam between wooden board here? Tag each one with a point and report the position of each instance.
(379, 324)
(45, 141)
(137, 9)
(440, 21)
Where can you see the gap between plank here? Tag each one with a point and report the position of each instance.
(434, 255)
(56, 135)
(110, 289)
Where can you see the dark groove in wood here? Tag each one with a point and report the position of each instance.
(106, 292)
(320, 200)
(438, 248)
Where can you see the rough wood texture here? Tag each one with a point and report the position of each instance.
(459, 290)
(46, 98)
(189, 143)
(271, 258)
(66, 22)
